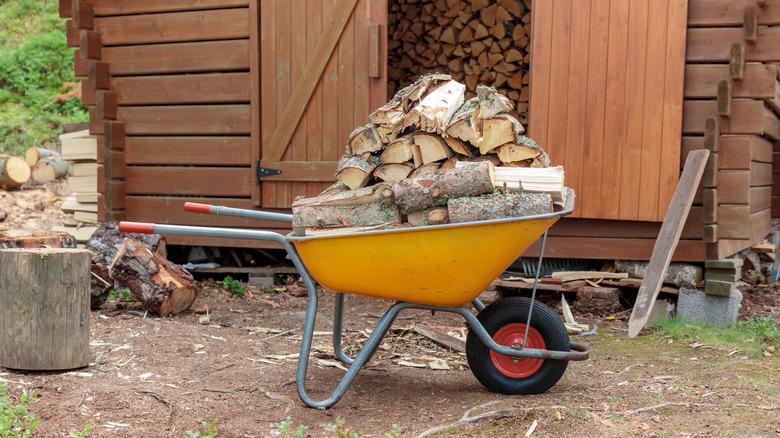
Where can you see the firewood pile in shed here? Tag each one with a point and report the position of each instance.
(476, 41)
(430, 156)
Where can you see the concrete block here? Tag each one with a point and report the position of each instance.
(720, 288)
(696, 306)
(661, 311)
(260, 281)
(724, 264)
(679, 274)
(730, 275)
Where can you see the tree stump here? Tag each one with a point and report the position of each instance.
(44, 309)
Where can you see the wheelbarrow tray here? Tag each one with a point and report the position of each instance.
(441, 265)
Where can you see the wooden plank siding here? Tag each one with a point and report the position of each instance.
(342, 95)
(717, 13)
(203, 56)
(129, 7)
(621, 114)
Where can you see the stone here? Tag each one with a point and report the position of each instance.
(720, 288)
(729, 275)
(661, 311)
(696, 306)
(679, 274)
(724, 264)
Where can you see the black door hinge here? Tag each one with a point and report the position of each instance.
(264, 172)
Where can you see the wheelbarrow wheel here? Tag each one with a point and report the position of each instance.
(505, 321)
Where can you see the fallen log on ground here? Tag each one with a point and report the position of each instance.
(161, 286)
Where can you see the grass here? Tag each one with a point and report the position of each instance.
(35, 62)
(16, 421)
(207, 430)
(752, 335)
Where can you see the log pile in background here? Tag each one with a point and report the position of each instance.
(476, 41)
(14, 172)
(429, 156)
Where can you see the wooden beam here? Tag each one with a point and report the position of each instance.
(131, 7)
(179, 150)
(737, 61)
(303, 89)
(80, 64)
(710, 203)
(759, 82)
(712, 133)
(105, 105)
(177, 89)
(710, 233)
(114, 135)
(89, 44)
(197, 57)
(312, 171)
(750, 23)
(747, 117)
(82, 14)
(724, 98)
(666, 243)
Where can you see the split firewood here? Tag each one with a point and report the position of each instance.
(368, 206)
(460, 125)
(161, 286)
(432, 147)
(364, 139)
(14, 172)
(498, 130)
(541, 160)
(389, 117)
(539, 180)
(425, 169)
(355, 171)
(35, 154)
(399, 151)
(422, 192)
(491, 102)
(434, 111)
(514, 153)
(461, 147)
(393, 172)
(50, 169)
(337, 187)
(431, 216)
(498, 205)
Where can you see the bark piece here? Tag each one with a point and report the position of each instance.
(432, 147)
(368, 206)
(355, 171)
(423, 192)
(46, 324)
(498, 205)
(431, 216)
(161, 286)
(393, 172)
(14, 172)
(364, 139)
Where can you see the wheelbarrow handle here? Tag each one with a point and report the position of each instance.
(226, 233)
(195, 207)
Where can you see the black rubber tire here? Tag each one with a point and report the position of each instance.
(513, 310)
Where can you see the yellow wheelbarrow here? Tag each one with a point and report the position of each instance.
(514, 345)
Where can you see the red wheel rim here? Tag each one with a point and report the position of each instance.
(517, 367)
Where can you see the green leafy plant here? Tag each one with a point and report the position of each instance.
(85, 432)
(16, 421)
(395, 432)
(751, 335)
(284, 429)
(233, 286)
(207, 430)
(340, 430)
(120, 295)
(35, 63)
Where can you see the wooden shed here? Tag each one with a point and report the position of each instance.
(248, 103)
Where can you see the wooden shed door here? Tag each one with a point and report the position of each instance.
(322, 70)
(606, 100)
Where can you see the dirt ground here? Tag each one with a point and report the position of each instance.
(155, 377)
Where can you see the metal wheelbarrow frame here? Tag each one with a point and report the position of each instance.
(579, 351)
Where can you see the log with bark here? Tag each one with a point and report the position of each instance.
(104, 245)
(161, 286)
(35, 154)
(14, 172)
(431, 216)
(497, 206)
(43, 239)
(355, 171)
(50, 169)
(369, 206)
(434, 190)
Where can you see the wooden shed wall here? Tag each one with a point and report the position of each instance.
(175, 88)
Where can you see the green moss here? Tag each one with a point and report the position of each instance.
(34, 63)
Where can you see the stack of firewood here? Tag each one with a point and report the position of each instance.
(476, 41)
(430, 156)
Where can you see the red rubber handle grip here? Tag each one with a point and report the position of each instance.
(136, 227)
(194, 207)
